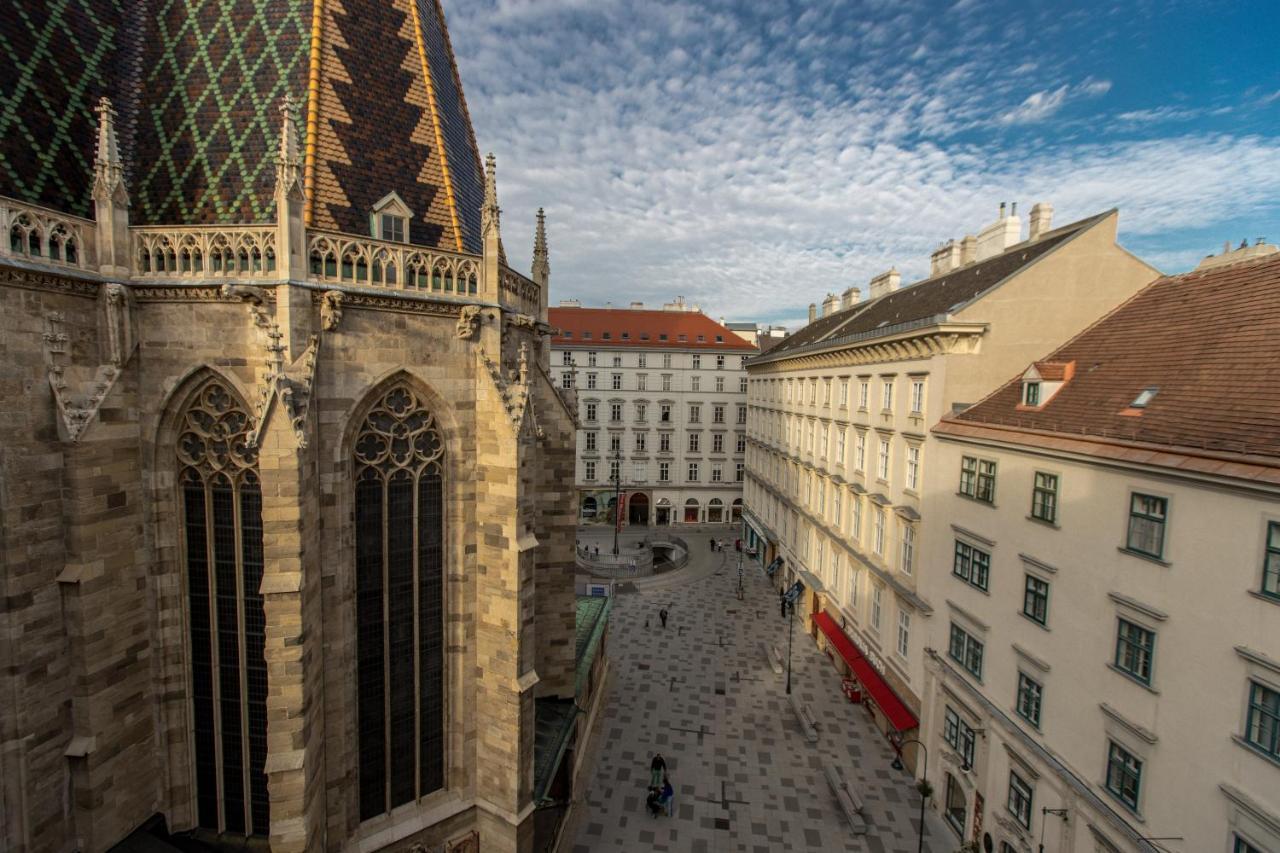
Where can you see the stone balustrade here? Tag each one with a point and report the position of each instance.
(204, 252)
(45, 236)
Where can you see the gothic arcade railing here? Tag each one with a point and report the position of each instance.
(46, 236)
(204, 252)
(345, 259)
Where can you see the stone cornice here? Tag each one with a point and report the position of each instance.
(940, 338)
(47, 282)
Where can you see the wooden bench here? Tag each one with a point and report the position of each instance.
(771, 654)
(804, 714)
(846, 797)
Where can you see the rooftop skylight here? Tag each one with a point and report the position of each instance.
(1141, 401)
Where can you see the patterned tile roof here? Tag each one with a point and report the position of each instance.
(633, 327)
(197, 85)
(1206, 341)
(938, 295)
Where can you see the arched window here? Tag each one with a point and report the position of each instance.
(399, 516)
(222, 526)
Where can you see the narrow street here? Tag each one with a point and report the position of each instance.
(701, 693)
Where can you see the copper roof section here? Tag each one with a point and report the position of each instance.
(930, 300)
(642, 328)
(1209, 341)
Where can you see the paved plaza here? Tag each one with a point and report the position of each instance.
(701, 693)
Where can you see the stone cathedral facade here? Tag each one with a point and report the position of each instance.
(286, 493)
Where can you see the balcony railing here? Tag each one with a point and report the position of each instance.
(203, 252)
(344, 259)
(45, 236)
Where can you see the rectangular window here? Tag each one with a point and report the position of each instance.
(1030, 694)
(1147, 516)
(695, 383)
(591, 359)
(864, 388)
(1263, 726)
(860, 452)
(589, 470)
(666, 382)
(566, 358)
(1242, 846)
(877, 543)
(591, 381)
(693, 472)
(566, 380)
(840, 435)
(958, 735)
(844, 394)
(719, 383)
(884, 459)
(1035, 600)
(742, 414)
(917, 396)
(1135, 648)
(1271, 561)
(393, 228)
(664, 472)
(904, 632)
(642, 360)
(717, 414)
(695, 414)
(1044, 497)
(615, 412)
(666, 356)
(739, 472)
(965, 650)
(913, 467)
(742, 385)
(741, 446)
(615, 473)
(1124, 775)
(617, 359)
(972, 565)
(719, 362)
(591, 411)
(640, 411)
(968, 475)
(1031, 393)
(590, 440)
(617, 382)
(664, 413)
(1020, 799)
(717, 474)
(640, 441)
(978, 478)
(717, 443)
(694, 442)
(908, 548)
(640, 471)
(857, 519)
(664, 442)
(888, 395)
(642, 382)
(877, 592)
(615, 442)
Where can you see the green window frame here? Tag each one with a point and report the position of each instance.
(1030, 699)
(1044, 497)
(1262, 729)
(972, 565)
(1035, 600)
(966, 650)
(1124, 775)
(1148, 516)
(1135, 650)
(958, 735)
(1242, 846)
(1031, 394)
(986, 481)
(1271, 561)
(968, 475)
(1020, 796)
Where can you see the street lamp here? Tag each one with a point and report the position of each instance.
(924, 778)
(792, 595)
(617, 496)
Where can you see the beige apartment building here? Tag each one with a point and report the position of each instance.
(1103, 672)
(839, 417)
(662, 412)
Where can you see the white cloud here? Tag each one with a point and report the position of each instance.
(670, 165)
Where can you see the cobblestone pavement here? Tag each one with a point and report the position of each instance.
(701, 693)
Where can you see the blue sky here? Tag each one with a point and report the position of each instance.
(753, 157)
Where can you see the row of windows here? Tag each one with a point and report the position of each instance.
(1145, 532)
(668, 383)
(833, 392)
(814, 439)
(591, 411)
(590, 442)
(640, 472)
(569, 359)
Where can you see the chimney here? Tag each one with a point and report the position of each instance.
(1041, 219)
(849, 298)
(998, 236)
(1244, 252)
(829, 304)
(813, 312)
(968, 249)
(944, 259)
(886, 282)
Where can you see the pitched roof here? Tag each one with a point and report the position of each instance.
(1208, 341)
(606, 327)
(930, 298)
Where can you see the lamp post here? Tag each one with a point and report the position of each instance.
(791, 630)
(924, 777)
(617, 496)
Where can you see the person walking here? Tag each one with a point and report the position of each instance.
(662, 614)
(657, 770)
(668, 798)
(713, 545)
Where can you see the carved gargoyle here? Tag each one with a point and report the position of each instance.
(469, 322)
(331, 310)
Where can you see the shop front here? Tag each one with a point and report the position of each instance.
(759, 542)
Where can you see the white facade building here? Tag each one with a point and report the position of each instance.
(661, 403)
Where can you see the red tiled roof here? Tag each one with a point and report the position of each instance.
(1052, 371)
(642, 328)
(1208, 341)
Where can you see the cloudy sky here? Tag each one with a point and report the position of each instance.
(754, 156)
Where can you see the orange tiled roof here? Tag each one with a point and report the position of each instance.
(1052, 371)
(1207, 341)
(621, 327)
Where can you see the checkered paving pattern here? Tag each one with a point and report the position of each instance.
(701, 693)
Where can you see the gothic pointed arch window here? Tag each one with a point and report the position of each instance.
(399, 527)
(222, 542)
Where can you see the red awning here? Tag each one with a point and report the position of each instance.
(872, 681)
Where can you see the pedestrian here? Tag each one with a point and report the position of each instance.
(654, 801)
(668, 796)
(657, 768)
(782, 600)
(597, 550)
(713, 545)
(662, 614)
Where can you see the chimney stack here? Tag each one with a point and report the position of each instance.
(1041, 219)
(813, 312)
(829, 305)
(849, 298)
(998, 236)
(968, 249)
(886, 282)
(945, 258)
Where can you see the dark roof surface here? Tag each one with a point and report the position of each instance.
(1208, 341)
(933, 296)
(635, 323)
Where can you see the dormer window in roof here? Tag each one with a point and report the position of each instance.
(719, 339)
(389, 219)
(684, 338)
(606, 336)
(662, 336)
(702, 339)
(586, 336)
(644, 336)
(1145, 397)
(626, 336)
(1042, 380)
